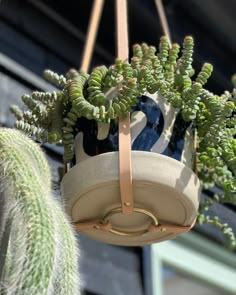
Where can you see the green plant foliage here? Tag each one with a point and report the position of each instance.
(42, 253)
(109, 93)
(224, 227)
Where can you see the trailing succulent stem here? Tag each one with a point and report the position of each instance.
(109, 93)
(42, 253)
(224, 227)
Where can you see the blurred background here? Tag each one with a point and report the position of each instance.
(40, 34)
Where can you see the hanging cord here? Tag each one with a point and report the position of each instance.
(89, 44)
(163, 20)
(91, 34)
(122, 30)
(125, 173)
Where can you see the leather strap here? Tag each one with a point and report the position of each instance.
(126, 188)
(195, 146)
(107, 226)
(91, 34)
(89, 45)
(125, 173)
(90, 225)
(163, 19)
(176, 229)
(122, 29)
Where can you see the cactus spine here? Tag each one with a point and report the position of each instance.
(42, 253)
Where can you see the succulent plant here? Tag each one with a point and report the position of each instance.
(107, 94)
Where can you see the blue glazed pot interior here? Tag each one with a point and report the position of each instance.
(144, 141)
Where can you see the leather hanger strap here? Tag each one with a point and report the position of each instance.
(89, 225)
(126, 188)
(163, 20)
(105, 224)
(91, 34)
(107, 227)
(89, 44)
(170, 228)
(125, 173)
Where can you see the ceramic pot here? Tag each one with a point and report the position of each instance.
(166, 190)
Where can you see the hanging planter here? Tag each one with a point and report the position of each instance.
(165, 189)
(166, 108)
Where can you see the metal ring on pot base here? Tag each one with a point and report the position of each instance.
(136, 233)
(161, 185)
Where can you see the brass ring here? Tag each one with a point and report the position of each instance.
(129, 233)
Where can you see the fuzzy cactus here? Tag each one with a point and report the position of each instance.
(42, 252)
